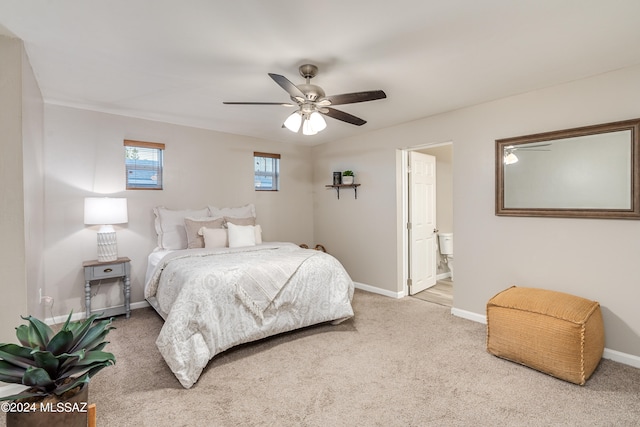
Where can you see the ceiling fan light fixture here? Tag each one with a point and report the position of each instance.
(293, 122)
(510, 158)
(317, 121)
(312, 102)
(307, 127)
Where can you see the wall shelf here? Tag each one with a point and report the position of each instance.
(339, 186)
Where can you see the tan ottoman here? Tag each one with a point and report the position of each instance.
(553, 332)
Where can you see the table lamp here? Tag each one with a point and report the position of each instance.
(106, 211)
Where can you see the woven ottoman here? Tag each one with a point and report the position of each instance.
(553, 332)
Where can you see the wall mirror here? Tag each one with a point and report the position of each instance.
(590, 172)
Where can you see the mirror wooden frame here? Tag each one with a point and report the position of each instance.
(609, 213)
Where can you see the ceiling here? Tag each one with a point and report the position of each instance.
(177, 61)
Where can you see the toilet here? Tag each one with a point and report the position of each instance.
(446, 249)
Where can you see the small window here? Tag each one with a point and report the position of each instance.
(143, 163)
(267, 171)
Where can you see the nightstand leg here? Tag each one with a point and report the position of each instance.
(127, 295)
(87, 297)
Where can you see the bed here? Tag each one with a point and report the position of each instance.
(214, 298)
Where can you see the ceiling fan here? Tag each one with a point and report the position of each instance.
(510, 157)
(312, 103)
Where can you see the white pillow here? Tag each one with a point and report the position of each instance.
(214, 237)
(170, 226)
(241, 235)
(258, 230)
(240, 212)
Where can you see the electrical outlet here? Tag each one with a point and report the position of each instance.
(47, 300)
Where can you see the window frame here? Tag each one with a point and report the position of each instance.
(275, 175)
(159, 169)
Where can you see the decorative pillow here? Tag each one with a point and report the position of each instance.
(239, 221)
(241, 212)
(170, 226)
(193, 225)
(241, 235)
(214, 237)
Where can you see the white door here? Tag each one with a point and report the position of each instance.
(422, 222)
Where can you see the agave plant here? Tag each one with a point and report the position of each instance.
(52, 363)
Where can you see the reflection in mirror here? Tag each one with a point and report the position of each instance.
(584, 172)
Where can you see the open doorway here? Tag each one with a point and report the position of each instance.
(442, 291)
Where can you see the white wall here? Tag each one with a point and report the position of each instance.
(593, 258)
(21, 188)
(84, 156)
(12, 256)
(33, 175)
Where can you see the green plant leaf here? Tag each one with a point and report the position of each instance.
(91, 339)
(23, 332)
(11, 373)
(72, 384)
(66, 323)
(95, 369)
(16, 350)
(80, 328)
(47, 361)
(93, 335)
(92, 360)
(39, 332)
(92, 357)
(68, 360)
(37, 377)
(99, 346)
(61, 342)
(17, 355)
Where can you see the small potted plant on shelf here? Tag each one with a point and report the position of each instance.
(56, 368)
(347, 177)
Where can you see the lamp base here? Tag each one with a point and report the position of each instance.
(107, 246)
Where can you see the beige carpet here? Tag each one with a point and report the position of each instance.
(398, 363)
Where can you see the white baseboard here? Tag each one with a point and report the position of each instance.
(624, 358)
(81, 315)
(140, 304)
(616, 356)
(480, 318)
(376, 290)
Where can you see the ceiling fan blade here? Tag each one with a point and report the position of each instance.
(351, 98)
(286, 84)
(284, 104)
(345, 117)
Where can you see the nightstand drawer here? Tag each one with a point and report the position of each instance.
(102, 271)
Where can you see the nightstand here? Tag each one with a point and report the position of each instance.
(118, 269)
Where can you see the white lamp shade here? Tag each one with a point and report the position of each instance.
(317, 121)
(293, 122)
(105, 210)
(307, 128)
(510, 158)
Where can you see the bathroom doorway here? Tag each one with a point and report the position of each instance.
(442, 292)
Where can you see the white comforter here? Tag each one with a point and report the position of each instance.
(198, 292)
